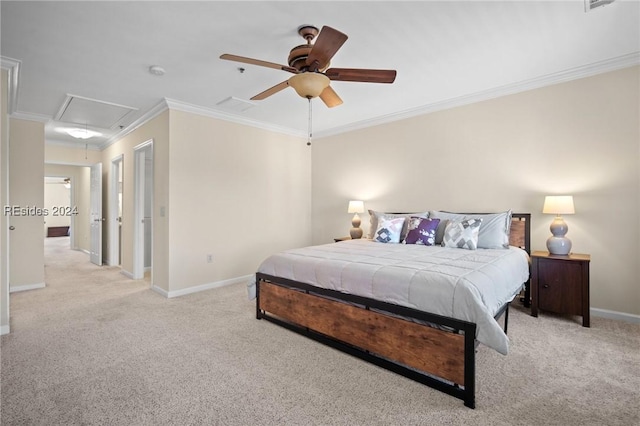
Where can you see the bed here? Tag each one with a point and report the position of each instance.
(380, 302)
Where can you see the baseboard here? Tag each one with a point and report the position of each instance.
(620, 316)
(26, 287)
(203, 287)
(160, 291)
(4, 330)
(126, 273)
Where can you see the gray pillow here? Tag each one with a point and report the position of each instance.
(494, 230)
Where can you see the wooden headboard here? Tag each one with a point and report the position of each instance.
(520, 235)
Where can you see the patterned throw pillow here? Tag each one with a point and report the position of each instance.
(462, 234)
(389, 230)
(422, 231)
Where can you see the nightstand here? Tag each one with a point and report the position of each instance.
(337, 240)
(560, 284)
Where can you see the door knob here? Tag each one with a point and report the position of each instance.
(11, 228)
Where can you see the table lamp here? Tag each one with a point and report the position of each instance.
(355, 207)
(558, 205)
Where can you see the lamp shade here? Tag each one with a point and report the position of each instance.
(309, 84)
(558, 204)
(356, 207)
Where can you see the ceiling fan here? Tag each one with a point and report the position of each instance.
(310, 65)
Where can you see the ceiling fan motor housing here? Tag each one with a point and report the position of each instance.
(298, 56)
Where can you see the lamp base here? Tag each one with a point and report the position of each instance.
(356, 233)
(559, 245)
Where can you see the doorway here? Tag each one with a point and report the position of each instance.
(143, 211)
(115, 214)
(58, 202)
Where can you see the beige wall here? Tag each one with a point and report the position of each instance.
(581, 138)
(157, 130)
(62, 154)
(55, 196)
(80, 193)
(4, 200)
(235, 192)
(26, 189)
(238, 193)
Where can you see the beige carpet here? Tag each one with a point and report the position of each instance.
(94, 347)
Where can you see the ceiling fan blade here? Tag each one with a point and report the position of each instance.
(270, 91)
(362, 75)
(327, 44)
(330, 97)
(258, 62)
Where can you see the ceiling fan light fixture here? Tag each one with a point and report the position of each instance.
(309, 84)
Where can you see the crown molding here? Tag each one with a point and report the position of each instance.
(155, 111)
(13, 68)
(212, 113)
(172, 104)
(19, 115)
(613, 64)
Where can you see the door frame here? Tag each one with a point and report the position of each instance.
(96, 216)
(140, 153)
(117, 163)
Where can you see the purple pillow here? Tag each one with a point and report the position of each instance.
(422, 231)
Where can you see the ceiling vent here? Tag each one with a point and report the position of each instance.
(93, 113)
(235, 104)
(592, 4)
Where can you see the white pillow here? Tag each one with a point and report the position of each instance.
(462, 234)
(389, 230)
(374, 218)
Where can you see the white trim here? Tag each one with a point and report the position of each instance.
(70, 97)
(4, 330)
(155, 111)
(26, 287)
(612, 64)
(140, 153)
(160, 291)
(126, 273)
(614, 315)
(13, 68)
(203, 287)
(115, 242)
(19, 115)
(207, 112)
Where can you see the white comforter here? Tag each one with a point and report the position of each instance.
(470, 285)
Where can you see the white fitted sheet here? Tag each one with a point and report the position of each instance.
(470, 285)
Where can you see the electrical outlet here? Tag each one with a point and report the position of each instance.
(209, 258)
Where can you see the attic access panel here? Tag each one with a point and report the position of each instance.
(92, 113)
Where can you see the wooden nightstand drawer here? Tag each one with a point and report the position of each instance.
(560, 284)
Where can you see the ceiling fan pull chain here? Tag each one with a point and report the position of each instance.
(309, 136)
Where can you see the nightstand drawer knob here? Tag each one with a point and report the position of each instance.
(546, 286)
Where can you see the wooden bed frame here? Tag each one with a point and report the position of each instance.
(440, 355)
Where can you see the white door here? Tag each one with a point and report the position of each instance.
(95, 215)
(115, 215)
(143, 197)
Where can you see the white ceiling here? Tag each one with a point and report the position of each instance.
(446, 53)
